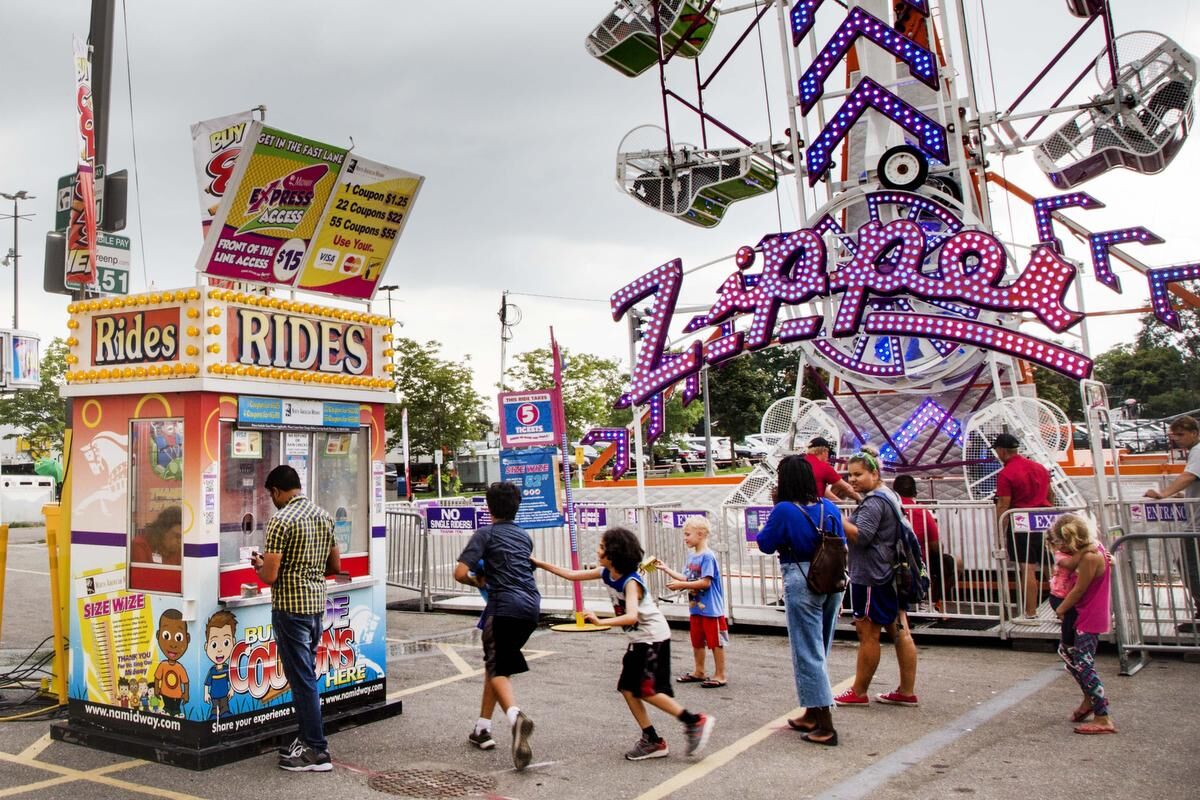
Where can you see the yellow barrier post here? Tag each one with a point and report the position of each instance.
(3, 571)
(56, 602)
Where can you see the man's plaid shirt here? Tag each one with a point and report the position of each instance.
(303, 534)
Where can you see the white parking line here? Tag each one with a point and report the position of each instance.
(868, 780)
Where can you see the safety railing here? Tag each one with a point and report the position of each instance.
(966, 586)
(1156, 580)
(407, 554)
(424, 560)
(1026, 565)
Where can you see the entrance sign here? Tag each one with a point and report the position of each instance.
(527, 419)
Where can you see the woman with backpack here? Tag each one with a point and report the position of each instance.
(806, 531)
(875, 604)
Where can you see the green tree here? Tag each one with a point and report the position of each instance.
(1060, 390)
(444, 410)
(39, 415)
(741, 390)
(591, 385)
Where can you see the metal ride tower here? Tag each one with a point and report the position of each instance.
(917, 321)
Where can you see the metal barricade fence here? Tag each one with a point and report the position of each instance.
(1021, 548)
(965, 585)
(1156, 579)
(424, 560)
(407, 556)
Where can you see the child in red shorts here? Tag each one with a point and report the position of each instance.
(701, 579)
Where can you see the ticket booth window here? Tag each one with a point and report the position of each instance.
(342, 476)
(156, 505)
(247, 456)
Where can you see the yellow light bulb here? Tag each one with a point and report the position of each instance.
(193, 313)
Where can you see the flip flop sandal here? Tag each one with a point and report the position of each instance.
(802, 725)
(690, 678)
(831, 739)
(1079, 715)
(712, 684)
(1092, 729)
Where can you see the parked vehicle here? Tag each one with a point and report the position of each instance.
(748, 448)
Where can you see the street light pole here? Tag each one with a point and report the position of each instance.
(16, 250)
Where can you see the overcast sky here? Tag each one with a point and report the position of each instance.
(515, 128)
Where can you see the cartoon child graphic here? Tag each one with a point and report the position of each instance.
(123, 692)
(171, 679)
(219, 638)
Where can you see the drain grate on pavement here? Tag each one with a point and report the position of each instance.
(432, 783)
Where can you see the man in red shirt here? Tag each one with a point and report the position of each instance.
(1021, 483)
(829, 482)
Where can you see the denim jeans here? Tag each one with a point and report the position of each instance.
(810, 622)
(296, 639)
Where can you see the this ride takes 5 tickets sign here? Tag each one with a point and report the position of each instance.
(307, 215)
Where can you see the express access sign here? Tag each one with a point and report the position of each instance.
(527, 419)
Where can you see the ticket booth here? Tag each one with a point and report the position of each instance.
(183, 401)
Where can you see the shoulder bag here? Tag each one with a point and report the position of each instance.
(827, 568)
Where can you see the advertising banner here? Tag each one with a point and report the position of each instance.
(81, 230)
(216, 145)
(535, 473)
(269, 214)
(362, 222)
(527, 419)
(25, 360)
(141, 667)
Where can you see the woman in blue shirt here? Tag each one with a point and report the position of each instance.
(793, 531)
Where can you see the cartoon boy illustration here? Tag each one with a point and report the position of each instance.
(219, 638)
(123, 692)
(171, 679)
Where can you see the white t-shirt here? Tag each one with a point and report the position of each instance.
(1192, 491)
(651, 625)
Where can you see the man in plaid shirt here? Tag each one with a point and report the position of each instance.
(300, 552)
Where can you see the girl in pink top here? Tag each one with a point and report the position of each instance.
(1088, 598)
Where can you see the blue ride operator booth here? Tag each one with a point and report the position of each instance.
(183, 401)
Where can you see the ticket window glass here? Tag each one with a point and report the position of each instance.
(156, 505)
(334, 472)
(342, 478)
(247, 457)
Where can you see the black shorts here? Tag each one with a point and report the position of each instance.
(1026, 547)
(646, 669)
(503, 638)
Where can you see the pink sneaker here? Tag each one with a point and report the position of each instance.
(897, 699)
(849, 698)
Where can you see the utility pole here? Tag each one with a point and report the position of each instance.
(15, 254)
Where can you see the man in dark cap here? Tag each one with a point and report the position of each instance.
(1020, 484)
(829, 482)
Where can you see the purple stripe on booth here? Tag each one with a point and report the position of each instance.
(99, 537)
(209, 550)
(379, 532)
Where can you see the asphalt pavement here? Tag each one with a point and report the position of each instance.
(992, 723)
